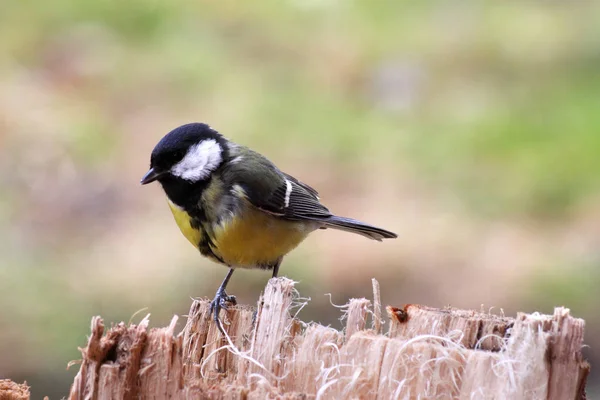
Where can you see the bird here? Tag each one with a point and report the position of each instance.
(235, 206)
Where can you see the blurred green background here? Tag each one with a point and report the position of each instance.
(472, 129)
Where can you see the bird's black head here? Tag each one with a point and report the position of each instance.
(189, 153)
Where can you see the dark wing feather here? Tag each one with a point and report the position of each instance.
(292, 200)
(273, 191)
(303, 185)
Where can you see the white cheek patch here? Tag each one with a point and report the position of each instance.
(200, 160)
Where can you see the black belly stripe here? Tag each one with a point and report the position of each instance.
(206, 245)
(195, 223)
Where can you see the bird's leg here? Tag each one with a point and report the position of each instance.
(276, 268)
(220, 301)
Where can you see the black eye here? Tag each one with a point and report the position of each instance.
(172, 157)
(179, 155)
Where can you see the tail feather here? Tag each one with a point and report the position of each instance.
(354, 226)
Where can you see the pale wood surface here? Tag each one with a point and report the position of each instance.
(10, 390)
(426, 354)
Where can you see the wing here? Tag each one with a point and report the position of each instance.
(273, 191)
(304, 185)
(292, 200)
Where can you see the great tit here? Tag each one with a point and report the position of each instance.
(235, 206)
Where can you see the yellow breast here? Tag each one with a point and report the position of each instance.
(257, 238)
(183, 221)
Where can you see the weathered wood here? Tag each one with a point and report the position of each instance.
(272, 331)
(10, 390)
(568, 370)
(427, 354)
(469, 328)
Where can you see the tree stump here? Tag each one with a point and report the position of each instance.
(269, 354)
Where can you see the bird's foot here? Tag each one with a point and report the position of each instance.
(222, 301)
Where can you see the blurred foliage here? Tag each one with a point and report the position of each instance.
(552, 284)
(471, 128)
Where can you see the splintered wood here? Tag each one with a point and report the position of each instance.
(268, 354)
(10, 390)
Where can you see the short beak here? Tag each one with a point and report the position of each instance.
(151, 176)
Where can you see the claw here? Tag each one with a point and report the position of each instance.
(222, 301)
